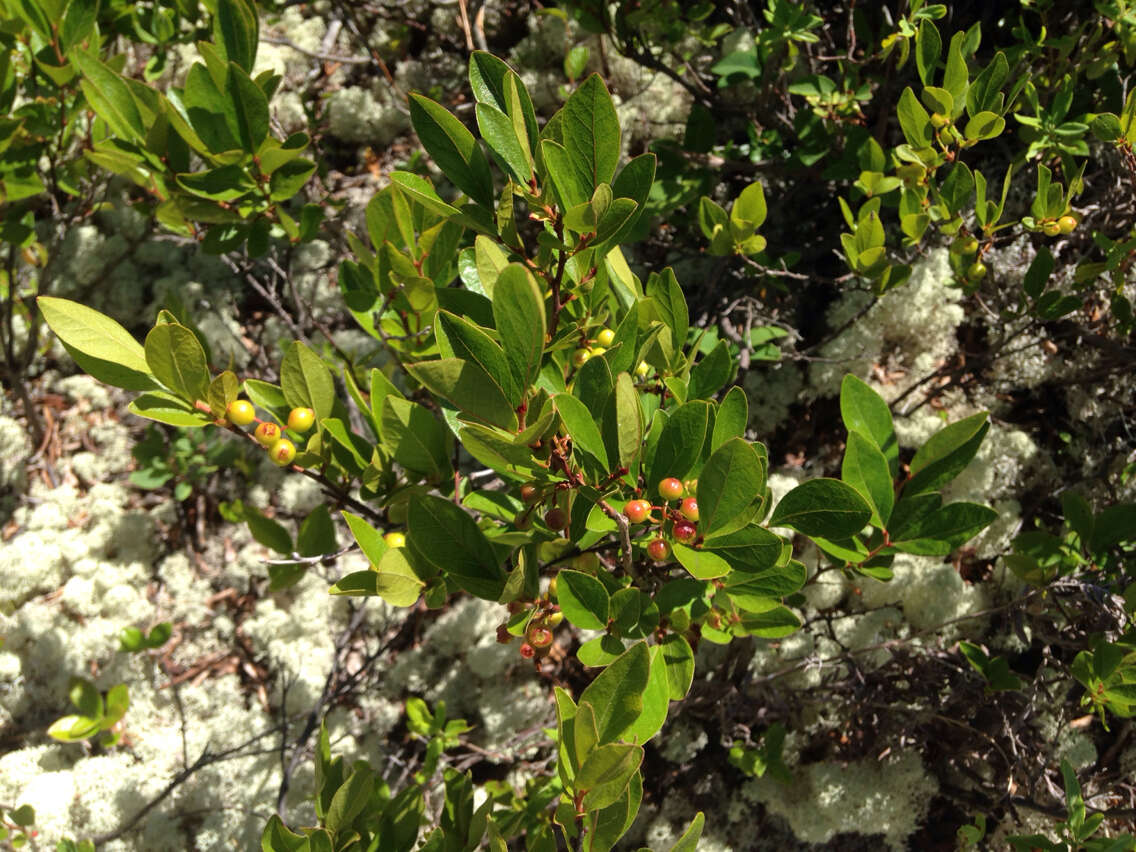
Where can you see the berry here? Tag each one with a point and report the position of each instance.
(267, 434)
(968, 245)
(689, 509)
(977, 271)
(539, 636)
(605, 337)
(670, 488)
(685, 531)
(282, 452)
(658, 549)
(637, 511)
(1067, 224)
(581, 357)
(556, 519)
(597, 351)
(642, 370)
(939, 120)
(552, 596)
(240, 412)
(528, 651)
(395, 539)
(301, 419)
(530, 493)
(555, 618)
(1051, 228)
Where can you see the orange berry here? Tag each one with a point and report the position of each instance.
(658, 549)
(637, 511)
(689, 509)
(267, 434)
(670, 488)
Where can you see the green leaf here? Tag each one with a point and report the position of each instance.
(583, 600)
(210, 112)
(414, 437)
(453, 148)
(422, 191)
(914, 120)
(306, 380)
(776, 581)
(499, 133)
(774, 623)
(290, 178)
(729, 482)
(617, 694)
(600, 651)
(1113, 525)
(984, 125)
(701, 564)
(712, 372)
(317, 534)
(928, 46)
(689, 840)
(946, 454)
(678, 658)
(623, 424)
(866, 470)
(749, 210)
(176, 359)
(751, 549)
(606, 772)
(986, 91)
(107, 350)
(1037, 276)
(939, 532)
(956, 77)
(469, 388)
(277, 837)
(236, 32)
(592, 133)
(117, 703)
(459, 338)
(169, 409)
(581, 426)
(667, 295)
(518, 313)
(570, 186)
(267, 531)
(731, 418)
(447, 537)
(680, 443)
(822, 507)
(393, 580)
(864, 411)
(109, 96)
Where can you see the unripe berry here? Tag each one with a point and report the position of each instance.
(395, 539)
(580, 357)
(605, 337)
(240, 412)
(1051, 228)
(556, 519)
(528, 651)
(637, 511)
(968, 245)
(685, 531)
(301, 419)
(939, 120)
(642, 370)
(977, 271)
(282, 452)
(597, 351)
(529, 492)
(267, 434)
(1067, 224)
(670, 488)
(658, 549)
(555, 618)
(689, 509)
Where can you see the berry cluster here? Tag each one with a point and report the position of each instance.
(268, 434)
(543, 619)
(682, 521)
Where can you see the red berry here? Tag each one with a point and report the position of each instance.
(556, 519)
(685, 531)
(528, 651)
(689, 509)
(240, 412)
(637, 511)
(267, 434)
(539, 636)
(301, 419)
(670, 488)
(658, 549)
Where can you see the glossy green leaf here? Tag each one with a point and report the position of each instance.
(712, 372)
(109, 96)
(689, 840)
(499, 133)
(518, 312)
(751, 549)
(468, 387)
(236, 32)
(939, 532)
(617, 694)
(448, 538)
(678, 659)
(701, 564)
(865, 469)
(731, 418)
(100, 345)
(679, 446)
(824, 507)
(583, 600)
(864, 411)
(453, 148)
(914, 120)
(306, 381)
(176, 359)
(570, 185)
(592, 133)
(774, 623)
(414, 437)
(459, 338)
(210, 112)
(669, 300)
(928, 46)
(623, 423)
(606, 772)
(729, 482)
(946, 454)
(581, 426)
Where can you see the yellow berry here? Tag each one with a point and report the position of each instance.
(1067, 224)
(395, 539)
(605, 337)
(301, 419)
(642, 370)
(240, 412)
(282, 452)
(580, 357)
(1051, 228)
(267, 434)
